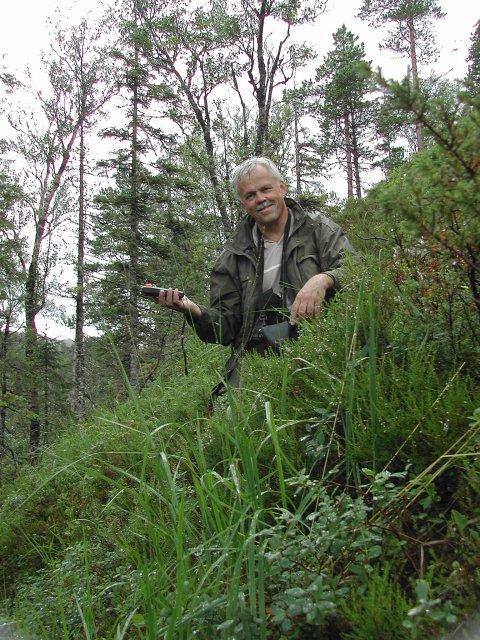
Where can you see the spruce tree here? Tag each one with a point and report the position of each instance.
(136, 218)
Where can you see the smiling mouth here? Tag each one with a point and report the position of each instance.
(266, 206)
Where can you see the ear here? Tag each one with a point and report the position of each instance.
(283, 188)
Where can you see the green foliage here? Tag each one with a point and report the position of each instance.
(433, 608)
(10, 246)
(335, 494)
(390, 125)
(317, 554)
(211, 526)
(473, 59)
(400, 13)
(433, 207)
(377, 611)
(345, 111)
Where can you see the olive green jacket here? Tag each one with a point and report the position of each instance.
(314, 246)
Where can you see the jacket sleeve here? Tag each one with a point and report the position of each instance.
(333, 247)
(221, 321)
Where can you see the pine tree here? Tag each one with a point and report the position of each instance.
(191, 51)
(410, 35)
(473, 59)
(310, 155)
(345, 112)
(390, 126)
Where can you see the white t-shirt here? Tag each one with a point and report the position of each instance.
(272, 262)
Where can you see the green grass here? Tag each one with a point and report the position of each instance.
(307, 505)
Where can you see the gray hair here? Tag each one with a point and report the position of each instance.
(245, 169)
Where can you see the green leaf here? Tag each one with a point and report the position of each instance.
(426, 502)
(278, 614)
(225, 625)
(460, 520)
(422, 590)
(359, 570)
(286, 625)
(295, 592)
(138, 620)
(374, 551)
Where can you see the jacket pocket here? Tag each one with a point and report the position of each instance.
(247, 293)
(308, 265)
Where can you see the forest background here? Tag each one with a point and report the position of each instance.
(116, 170)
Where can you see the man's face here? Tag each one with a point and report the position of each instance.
(262, 196)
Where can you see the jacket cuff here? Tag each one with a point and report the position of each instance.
(336, 275)
(197, 323)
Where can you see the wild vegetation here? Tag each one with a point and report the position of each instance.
(336, 494)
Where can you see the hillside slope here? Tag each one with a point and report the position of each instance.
(335, 496)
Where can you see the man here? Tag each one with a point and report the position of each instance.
(278, 263)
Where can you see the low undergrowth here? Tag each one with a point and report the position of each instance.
(307, 505)
(336, 495)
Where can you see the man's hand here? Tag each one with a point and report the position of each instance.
(170, 299)
(310, 297)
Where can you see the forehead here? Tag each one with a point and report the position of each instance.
(257, 177)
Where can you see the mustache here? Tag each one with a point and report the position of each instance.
(263, 206)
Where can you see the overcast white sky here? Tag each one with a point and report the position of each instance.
(24, 34)
(23, 31)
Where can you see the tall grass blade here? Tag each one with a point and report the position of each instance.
(85, 624)
(372, 378)
(278, 453)
(120, 633)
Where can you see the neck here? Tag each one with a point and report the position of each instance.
(274, 230)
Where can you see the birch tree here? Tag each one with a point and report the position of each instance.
(44, 142)
(90, 71)
(269, 56)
